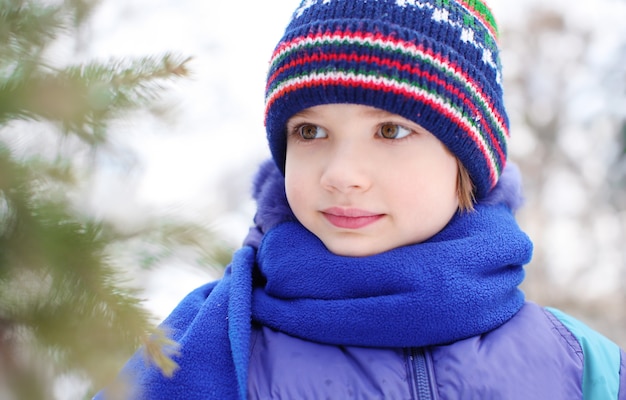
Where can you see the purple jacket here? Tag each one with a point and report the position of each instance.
(538, 354)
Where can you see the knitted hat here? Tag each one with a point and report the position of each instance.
(434, 62)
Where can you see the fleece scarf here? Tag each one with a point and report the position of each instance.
(460, 283)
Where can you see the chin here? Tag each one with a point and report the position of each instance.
(355, 250)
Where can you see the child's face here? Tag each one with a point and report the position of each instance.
(366, 181)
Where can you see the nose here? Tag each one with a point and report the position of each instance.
(346, 169)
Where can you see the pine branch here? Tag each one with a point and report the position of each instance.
(63, 305)
(85, 98)
(26, 28)
(61, 297)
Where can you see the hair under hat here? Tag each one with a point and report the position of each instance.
(434, 62)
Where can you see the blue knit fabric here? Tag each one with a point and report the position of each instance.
(461, 283)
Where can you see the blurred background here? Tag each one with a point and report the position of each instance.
(127, 167)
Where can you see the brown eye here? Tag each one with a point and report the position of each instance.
(309, 131)
(389, 131)
(393, 131)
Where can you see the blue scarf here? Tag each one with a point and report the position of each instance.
(460, 283)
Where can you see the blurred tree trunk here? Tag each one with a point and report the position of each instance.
(65, 309)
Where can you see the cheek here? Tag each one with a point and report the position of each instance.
(291, 190)
(296, 186)
(428, 184)
(291, 168)
(444, 195)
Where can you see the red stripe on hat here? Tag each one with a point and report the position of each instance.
(409, 47)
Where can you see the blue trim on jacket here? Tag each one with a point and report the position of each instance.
(602, 359)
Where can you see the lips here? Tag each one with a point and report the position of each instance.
(350, 218)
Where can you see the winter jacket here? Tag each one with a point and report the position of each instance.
(538, 354)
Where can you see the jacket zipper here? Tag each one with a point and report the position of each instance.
(419, 378)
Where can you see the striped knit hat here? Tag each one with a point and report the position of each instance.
(434, 62)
